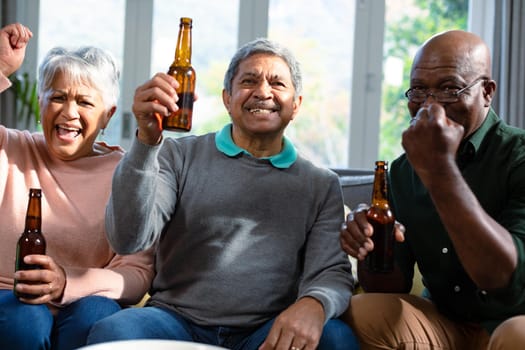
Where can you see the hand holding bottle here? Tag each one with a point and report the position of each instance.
(42, 285)
(38, 279)
(153, 101)
(356, 232)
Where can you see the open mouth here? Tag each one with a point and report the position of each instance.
(66, 131)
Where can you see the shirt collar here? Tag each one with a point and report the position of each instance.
(470, 146)
(282, 160)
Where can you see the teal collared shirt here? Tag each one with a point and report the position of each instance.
(492, 162)
(282, 160)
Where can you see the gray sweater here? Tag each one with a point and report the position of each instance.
(239, 240)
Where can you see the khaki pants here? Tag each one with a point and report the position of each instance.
(405, 321)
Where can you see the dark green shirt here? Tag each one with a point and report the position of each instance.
(492, 161)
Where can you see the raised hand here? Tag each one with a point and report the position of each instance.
(154, 100)
(13, 42)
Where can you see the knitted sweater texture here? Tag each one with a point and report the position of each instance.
(74, 196)
(238, 240)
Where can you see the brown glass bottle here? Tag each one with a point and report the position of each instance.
(381, 259)
(182, 70)
(32, 240)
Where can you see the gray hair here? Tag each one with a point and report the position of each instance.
(262, 45)
(88, 65)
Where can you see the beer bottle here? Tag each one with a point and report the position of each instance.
(32, 240)
(182, 70)
(379, 215)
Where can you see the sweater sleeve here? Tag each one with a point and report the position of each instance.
(126, 279)
(327, 270)
(139, 199)
(4, 82)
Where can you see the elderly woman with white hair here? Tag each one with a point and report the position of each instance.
(80, 279)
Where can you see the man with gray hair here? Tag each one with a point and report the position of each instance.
(246, 229)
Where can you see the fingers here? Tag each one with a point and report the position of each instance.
(286, 338)
(413, 121)
(271, 339)
(355, 233)
(432, 141)
(35, 294)
(13, 42)
(154, 100)
(349, 244)
(420, 118)
(45, 284)
(299, 326)
(19, 35)
(157, 95)
(361, 207)
(31, 291)
(430, 114)
(399, 231)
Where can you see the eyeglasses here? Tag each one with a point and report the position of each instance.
(417, 95)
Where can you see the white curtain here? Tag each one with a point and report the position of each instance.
(509, 61)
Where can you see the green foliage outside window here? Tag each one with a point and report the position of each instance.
(402, 38)
(27, 109)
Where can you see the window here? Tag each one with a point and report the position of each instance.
(408, 24)
(320, 131)
(88, 22)
(344, 93)
(321, 37)
(62, 24)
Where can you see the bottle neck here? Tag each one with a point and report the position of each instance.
(183, 49)
(34, 211)
(380, 190)
(33, 224)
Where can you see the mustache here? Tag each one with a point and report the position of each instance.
(264, 105)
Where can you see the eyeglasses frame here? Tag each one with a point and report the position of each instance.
(428, 92)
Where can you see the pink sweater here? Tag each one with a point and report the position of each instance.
(74, 196)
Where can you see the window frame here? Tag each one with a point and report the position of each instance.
(364, 118)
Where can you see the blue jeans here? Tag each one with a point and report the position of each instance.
(33, 327)
(157, 323)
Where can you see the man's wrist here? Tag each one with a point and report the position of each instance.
(150, 140)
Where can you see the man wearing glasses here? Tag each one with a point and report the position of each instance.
(459, 193)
